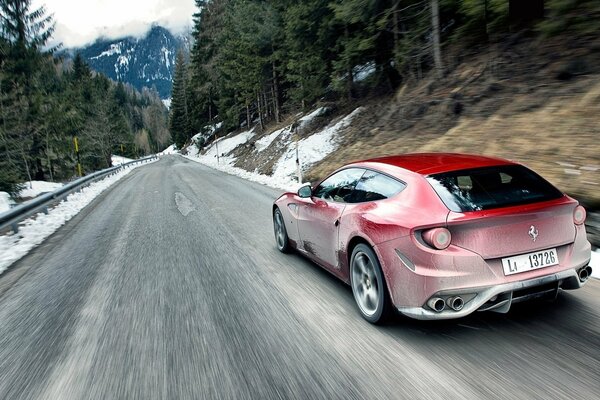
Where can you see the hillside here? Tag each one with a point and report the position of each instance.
(535, 101)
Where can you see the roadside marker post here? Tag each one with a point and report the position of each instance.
(76, 143)
(217, 145)
(298, 166)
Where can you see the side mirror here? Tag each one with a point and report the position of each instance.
(305, 191)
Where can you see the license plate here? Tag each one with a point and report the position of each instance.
(529, 261)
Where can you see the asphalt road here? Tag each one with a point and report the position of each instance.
(169, 286)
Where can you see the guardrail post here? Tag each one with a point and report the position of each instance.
(15, 227)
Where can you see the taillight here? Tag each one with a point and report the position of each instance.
(438, 238)
(579, 215)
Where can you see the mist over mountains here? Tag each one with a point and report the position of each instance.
(148, 61)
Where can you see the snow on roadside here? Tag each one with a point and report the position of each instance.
(35, 188)
(118, 160)
(208, 131)
(266, 141)
(172, 149)
(287, 184)
(5, 202)
(313, 148)
(309, 117)
(595, 263)
(228, 144)
(33, 231)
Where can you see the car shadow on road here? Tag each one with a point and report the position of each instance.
(567, 315)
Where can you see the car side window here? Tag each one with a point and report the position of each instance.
(375, 186)
(339, 186)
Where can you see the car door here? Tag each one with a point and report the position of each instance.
(319, 215)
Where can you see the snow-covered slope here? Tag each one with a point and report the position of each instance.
(172, 149)
(5, 202)
(35, 188)
(118, 160)
(311, 149)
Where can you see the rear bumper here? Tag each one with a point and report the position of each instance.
(500, 297)
(416, 274)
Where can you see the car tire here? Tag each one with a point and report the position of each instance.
(368, 285)
(281, 238)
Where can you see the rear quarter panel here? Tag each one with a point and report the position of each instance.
(377, 222)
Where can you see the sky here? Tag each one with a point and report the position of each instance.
(79, 22)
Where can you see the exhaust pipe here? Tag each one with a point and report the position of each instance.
(436, 304)
(456, 303)
(584, 274)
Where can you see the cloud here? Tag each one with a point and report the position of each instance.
(81, 22)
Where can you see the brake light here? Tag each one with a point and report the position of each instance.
(438, 238)
(579, 215)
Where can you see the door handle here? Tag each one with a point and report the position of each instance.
(337, 222)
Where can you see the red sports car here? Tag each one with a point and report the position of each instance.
(438, 236)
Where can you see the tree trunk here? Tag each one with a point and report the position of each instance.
(260, 115)
(209, 105)
(485, 19)
(248, 116)
(26, 166)
(437, 54)
(350, 80)
(396, 39)
(276, 106)
(48, 159)
(268, 113)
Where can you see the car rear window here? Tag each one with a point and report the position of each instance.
(491, 187)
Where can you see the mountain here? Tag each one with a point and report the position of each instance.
(142, 62)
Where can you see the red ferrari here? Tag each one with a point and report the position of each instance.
(438, 236)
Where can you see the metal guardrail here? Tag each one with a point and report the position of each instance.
(12, 217)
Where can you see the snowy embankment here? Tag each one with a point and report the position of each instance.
(311, 150)
(118, 160)
(5, 202)
(172, 149)
(34, 230)
(30, 190)
(35, 188)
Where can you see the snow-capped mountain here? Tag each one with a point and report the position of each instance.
(141, 62)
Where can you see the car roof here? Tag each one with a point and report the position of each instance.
(434, 163)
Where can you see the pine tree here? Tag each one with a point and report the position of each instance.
(308, 40)
(356, 39)
(179, 123)
(27, 31)
(202, 71)
(80, 68)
